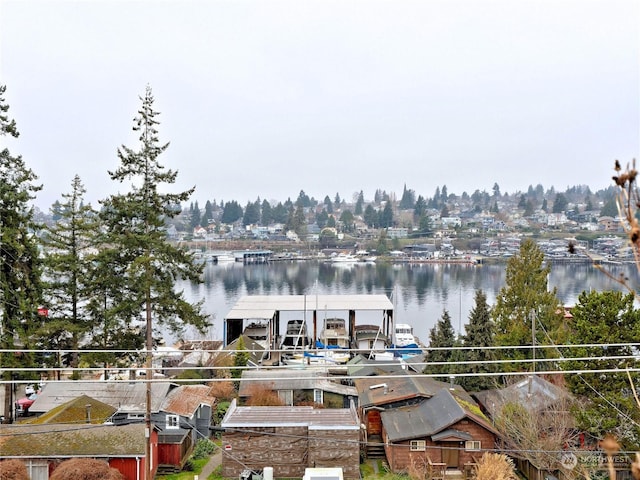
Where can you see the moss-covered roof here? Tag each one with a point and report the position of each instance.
(68, 440)
(75, 411)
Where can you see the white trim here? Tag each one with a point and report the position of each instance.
(173, 422)
(418, 445)
(473, 445)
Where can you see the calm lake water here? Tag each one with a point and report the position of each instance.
(420, 293)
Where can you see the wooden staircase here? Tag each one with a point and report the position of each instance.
(375, 447)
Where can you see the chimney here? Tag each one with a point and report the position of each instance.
(87, 408)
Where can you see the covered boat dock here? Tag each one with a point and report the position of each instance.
(269, 308)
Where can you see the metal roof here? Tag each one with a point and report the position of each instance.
(312, 418)
(533, 393)
(125, 396)
(265, 306)
(298, 379)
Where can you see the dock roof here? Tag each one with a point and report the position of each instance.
(265, 306)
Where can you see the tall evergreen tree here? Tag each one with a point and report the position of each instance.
(55, 211)
(610, 320)
(266, 213)
(299, 221)
(328, 204)
(232, 212)
(303, 199)
(207, 216)
(68, 260)
(526, 304)
(442, 339)
(479, 332)
(522, 203)
(321, 218)
(370, 216)
(560, 203)
(20, 266)
(251, 214)
(347, 221)
(386, 216)
(280, 213)
(195, 216)
(145, 264)
(408, 199)
(359, 208)
(420, 208)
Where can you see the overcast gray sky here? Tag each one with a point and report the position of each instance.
(264, 98)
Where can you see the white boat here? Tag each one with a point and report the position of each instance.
(405, 343)
(316, 357)
(365, 257)
(404, 335)
(223, 257)
(333, 343)
(369, 339)
(343, 258)
(296, 336)
(334, 333)
(258, 331)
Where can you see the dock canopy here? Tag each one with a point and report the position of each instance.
(268, 307)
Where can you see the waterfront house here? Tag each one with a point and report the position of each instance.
(290, 439)
(298, 386)
(43, 447)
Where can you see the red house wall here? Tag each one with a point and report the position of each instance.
(134, 469)
(129, 467)
(169, 454)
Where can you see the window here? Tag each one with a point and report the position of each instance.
(286, 396)
(38, 469)
(418, 445)
(318, 397)
(173, 421)
(135, 416)
(472, 445)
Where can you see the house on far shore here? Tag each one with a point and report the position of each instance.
(290, 439)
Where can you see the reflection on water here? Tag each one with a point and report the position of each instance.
(420, 292)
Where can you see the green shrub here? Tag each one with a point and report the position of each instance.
(203, 449)
(188, 466)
